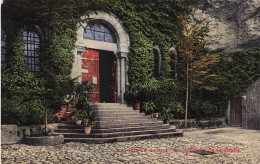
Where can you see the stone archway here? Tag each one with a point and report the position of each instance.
(120, 50)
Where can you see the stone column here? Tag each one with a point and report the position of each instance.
(126, 75)
(123, 76)
(118, 74)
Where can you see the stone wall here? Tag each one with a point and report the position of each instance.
(251, 107)
(35, 129)
(234, 24)
(12, 133)
(9, 134)
(200, 124)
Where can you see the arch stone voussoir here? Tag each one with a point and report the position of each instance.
(121, 34)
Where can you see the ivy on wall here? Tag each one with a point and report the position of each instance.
(235, 74)
(25, 95)
(147, 24)
(20, 89)
(155, 23)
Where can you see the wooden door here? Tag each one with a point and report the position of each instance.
(236, 111)
(90, 72)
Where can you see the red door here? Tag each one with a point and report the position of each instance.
(90, 72)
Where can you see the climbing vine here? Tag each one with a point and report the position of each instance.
(235, 74)
(26, 93)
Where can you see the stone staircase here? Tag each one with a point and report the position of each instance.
(117, 122)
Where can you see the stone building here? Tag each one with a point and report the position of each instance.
(101, 51)
(244, 110)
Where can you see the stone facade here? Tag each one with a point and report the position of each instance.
(251, 107)
(234, 24)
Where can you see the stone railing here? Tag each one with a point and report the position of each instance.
(200, 123)
(13, 134)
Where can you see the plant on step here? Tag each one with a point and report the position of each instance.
(89, 122)
(143, 92)
(149, 106)
(78, 117)
(82, 96)
(166, 114)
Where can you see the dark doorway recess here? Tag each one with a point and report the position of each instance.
(107, 70)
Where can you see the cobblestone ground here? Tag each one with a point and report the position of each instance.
(226, 145)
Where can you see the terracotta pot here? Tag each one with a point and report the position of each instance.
(137, 106)
(155, 115)
(78, 122)
(87, 129)
(67, 114)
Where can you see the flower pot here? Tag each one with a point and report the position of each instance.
(78, 122)
(67, 114)
(155, 115)
(137, 106)
(87, 129)
(166, 121)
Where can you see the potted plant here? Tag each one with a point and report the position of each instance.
(137, 106)
(156, 115)
(150, 107)
(78, 117)
(87, 126)
(77, 120)
(67, 114)
(166, 114)
(89, 122)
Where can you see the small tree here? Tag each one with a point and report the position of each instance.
(194, 59)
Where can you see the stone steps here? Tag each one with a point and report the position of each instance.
(117, 134)
(117, 122)
(107, 105)
(124, 118)
(121, 121)
(122, 125)
(140, 128)
(119, 114)
(178, 133)
(107, 130)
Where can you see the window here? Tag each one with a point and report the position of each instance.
(3, 51)
(31, 53)
(157, 62)
(99, 33)
(174, 57)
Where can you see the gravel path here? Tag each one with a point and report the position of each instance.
(225, 145)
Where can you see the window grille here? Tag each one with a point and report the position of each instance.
(3, 50)
(99, 33)
(31, 53)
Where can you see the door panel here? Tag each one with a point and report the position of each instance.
(235, 112)
(90, 72)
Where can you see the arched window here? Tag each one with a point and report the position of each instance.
(174, 57)
(3, 50)
(157, 61)
(32, 49)
(99, 33)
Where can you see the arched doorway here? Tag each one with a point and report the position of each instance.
(110, 43)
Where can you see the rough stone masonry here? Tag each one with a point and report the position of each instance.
(234, 24)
